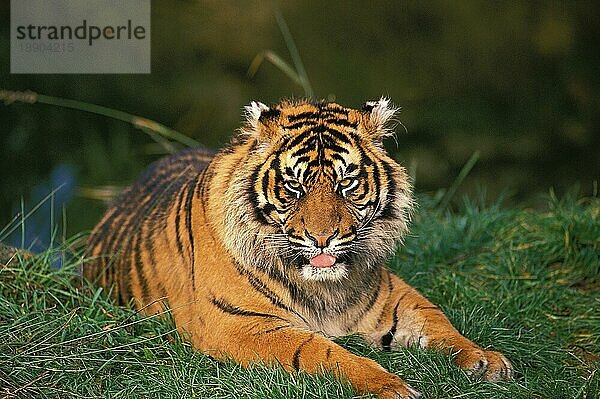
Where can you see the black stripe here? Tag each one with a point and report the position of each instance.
(327, 162)
(228, 308)
(336, 134)
(123, 293)
(101, 232)
(267, 209)
(283, 211)
(252, 195)
(302, 151)
(279, 191)
(300, 124)
(365, 185)
(149, 248)
(351, 233)
(366, 160)
(320, 148)
(178, 239)
(351, 168)
(302, 159)
(333, 114)
(334, 109)
(264, 183)
(117, 267)
(342, 122)
(271, 330)
(188, 226)
(296, 358)
(204, 177)
(303, 115)
(314, 163)
(297, 294)
(261, 287)
(339, 158)
(299, 139)
(386, 340)
(133, 207)
(295, 236)
(271, 113)
(333, 174)
(139, 266)
(333, 146)
(321, 128)
(274, 166)
(114, 240)
(388, 210)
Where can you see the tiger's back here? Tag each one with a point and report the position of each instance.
(124, 245)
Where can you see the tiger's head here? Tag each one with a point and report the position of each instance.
(315, 194)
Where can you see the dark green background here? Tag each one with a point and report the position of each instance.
(516, 81)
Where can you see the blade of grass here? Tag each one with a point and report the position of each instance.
(165, 144)
(141, 123)
(22, 223)
(106, 194)
(4, 233)
(297, 73)
(464, 172)
(291, 46)
(277, 61)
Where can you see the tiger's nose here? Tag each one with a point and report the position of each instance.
(321, 239)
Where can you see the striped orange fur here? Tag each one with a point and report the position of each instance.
(277, 243)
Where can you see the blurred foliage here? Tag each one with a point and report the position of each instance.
(516, 81)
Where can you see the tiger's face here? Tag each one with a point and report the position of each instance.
(325, 198)
(321, 203)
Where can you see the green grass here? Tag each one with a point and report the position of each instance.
(520, 281)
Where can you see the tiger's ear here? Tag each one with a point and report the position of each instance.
(378, 115)
(259, 121)
(253, 112)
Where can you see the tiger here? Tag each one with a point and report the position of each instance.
(272, 247)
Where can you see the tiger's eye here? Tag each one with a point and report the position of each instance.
(294, 184)
(294, 187)
(346, 186)
(345, 183)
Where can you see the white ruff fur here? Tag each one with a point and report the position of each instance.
(336, 272)
(382, 111)
(253, 112)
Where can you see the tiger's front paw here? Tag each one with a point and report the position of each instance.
(493, 365)
(372, 378)
(406, 392)
(395, 388)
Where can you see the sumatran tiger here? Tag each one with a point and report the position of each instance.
(277, 243)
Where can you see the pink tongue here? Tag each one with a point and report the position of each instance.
(323, 260)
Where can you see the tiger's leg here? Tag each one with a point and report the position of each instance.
(248, 336)
(409, 318)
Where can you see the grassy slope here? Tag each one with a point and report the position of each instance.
(522, 282)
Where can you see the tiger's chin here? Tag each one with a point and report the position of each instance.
(335, 272)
